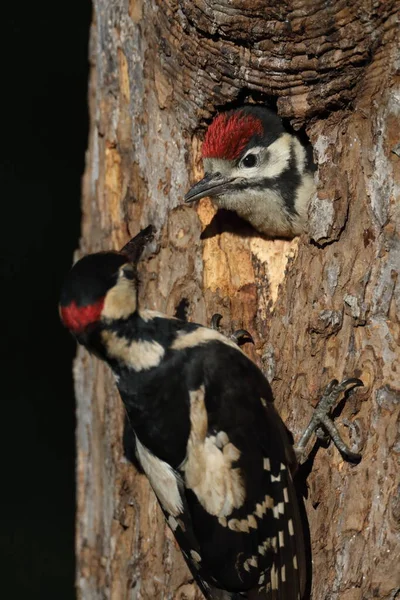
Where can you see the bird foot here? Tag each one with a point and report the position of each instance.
(322, 424)
(240, 336)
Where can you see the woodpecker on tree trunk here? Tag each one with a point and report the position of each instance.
(203, 428)
(255, 168)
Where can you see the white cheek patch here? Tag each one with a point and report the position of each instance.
(138, 355)
(120, 301)
(164, 481)
(279, 155)
(208, 467)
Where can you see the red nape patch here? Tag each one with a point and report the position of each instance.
(77, 318)
(229, 134)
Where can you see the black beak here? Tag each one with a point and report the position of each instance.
(134, 248)
(212, 184)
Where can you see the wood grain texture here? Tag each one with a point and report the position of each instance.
(322, 306)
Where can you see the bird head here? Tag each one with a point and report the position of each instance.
(257, 169)
(101, 288)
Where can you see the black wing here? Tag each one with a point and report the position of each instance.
(255, 545)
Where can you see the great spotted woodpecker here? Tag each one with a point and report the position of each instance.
(206, 432)
(255, 168)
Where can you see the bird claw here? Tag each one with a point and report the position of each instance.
(322, 424)
(215, 321)
(240, 336)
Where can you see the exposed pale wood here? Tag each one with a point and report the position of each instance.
(319, 307)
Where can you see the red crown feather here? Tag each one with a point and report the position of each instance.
(229, 134)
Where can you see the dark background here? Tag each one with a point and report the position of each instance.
(44, 71)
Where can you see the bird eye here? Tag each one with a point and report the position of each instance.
(129, 272)
(249, 161)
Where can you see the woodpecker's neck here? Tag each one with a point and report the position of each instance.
(137, 342)
(268, 211)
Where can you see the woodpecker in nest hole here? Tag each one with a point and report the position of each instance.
(255, 168)
(204, 429)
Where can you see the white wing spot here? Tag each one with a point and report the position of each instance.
(283, 467)
(283, 573)
(267, 464)
(295, 562)
(274, 578)
(195, 555)
(266, 545)
(252, 522)
(239, 525)
(276, 512)
(273, 478)
(285, 495)
(281, 540)
(250, 562)
(290, 527)
(281, 508)
(261, 509)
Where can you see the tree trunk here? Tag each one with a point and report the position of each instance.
(322, 306)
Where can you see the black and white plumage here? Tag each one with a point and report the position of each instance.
(207, 435)
(255, 168)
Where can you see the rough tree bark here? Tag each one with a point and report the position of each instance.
(325, 305)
